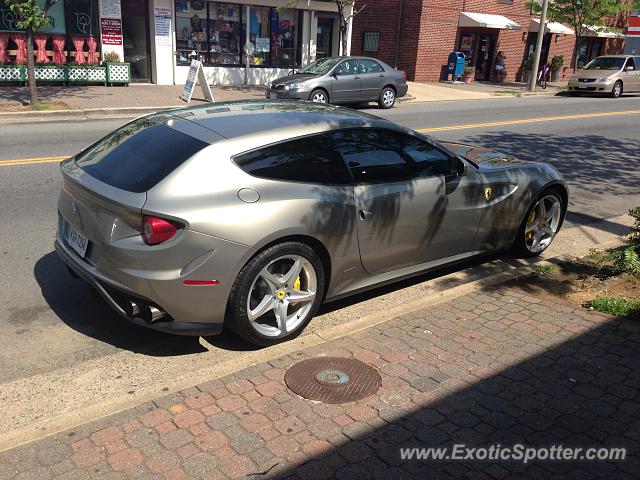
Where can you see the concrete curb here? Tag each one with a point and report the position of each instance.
(85, 114)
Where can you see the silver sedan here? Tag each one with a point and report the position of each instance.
(342, 80)
(249, 215)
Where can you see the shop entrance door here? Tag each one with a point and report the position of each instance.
(484, 55)
(135, 35)
(324, 37)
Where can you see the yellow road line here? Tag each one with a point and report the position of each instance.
(31, 161)
(38, 160)
(529, 120)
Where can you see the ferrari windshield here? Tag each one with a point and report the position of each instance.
(320, 67)
(606, 63)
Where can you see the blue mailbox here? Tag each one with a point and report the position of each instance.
(455, 65)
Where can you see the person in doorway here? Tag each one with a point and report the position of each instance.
(500, 66)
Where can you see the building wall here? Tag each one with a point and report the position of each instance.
(429, 32)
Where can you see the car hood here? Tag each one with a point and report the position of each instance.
(293, 79)
(594, 73)
(483, 156)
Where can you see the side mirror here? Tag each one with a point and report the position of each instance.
(458, 167)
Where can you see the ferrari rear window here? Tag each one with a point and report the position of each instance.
(138, 156)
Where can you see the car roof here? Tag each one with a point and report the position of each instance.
(615, 56)
(255, 119)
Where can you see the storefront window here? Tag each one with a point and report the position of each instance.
(214, 33)
(284, 40)
(259, 35)
(225, 34)
(191, 27)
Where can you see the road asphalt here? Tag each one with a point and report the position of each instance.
(53, 330)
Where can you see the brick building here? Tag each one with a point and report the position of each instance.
(418, 35)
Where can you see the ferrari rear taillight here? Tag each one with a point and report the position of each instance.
(157, 230)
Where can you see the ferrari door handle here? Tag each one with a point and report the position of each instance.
(357, 77)
(381, 76)
(364, 214)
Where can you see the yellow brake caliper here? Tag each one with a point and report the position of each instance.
(296, 284)
(530, 220)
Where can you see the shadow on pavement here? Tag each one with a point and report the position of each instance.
(598, 166)
(583, 392)
(82, 309)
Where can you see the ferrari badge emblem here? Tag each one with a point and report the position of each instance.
(488, 193)
(280, 294)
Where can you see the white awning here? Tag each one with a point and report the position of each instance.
(602, 32)
(484, 20)
(550, 27)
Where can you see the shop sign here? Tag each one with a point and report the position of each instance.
(263, 44)
(110, 8)
(162, 20)
(111, 31)
(196, 73)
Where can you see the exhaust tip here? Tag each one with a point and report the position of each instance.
(153, 314)
(133, 309)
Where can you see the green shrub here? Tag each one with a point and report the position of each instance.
(556, 62)
(626, 259)
(111, 57)
(619, 307)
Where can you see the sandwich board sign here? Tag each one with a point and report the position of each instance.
(196, 73)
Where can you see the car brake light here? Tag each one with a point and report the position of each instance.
(157, 230)
(404, 75)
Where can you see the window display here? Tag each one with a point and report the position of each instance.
(225, 29)
(191, 37)
(284, 43)
(259, 36)
(215, 32)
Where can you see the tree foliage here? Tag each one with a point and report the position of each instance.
(583, 14)
(30, 16)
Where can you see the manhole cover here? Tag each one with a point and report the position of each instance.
(333, 379)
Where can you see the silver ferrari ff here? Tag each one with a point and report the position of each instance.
(249, 215)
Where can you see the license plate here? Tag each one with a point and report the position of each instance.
(76, 240)
(582, 85)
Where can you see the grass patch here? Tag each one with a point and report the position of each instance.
(508, 92)
(544, 270)
(563, 88)
(40, 107)
(619, 307)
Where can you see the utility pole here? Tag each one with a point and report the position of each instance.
(536, 55)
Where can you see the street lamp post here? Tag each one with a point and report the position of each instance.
(538, 51)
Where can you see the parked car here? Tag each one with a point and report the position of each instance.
(612, 74)
(249, 215)
(342, 80)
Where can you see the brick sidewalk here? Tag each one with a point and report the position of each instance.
(135, 95)
(492, 367)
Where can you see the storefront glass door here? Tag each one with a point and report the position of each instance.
(135, 34)
(324, 38)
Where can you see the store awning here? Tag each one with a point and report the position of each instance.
(484, 20)
(602, 32)
(550, 27)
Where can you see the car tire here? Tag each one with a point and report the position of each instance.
(387, 98)
(254, 288)
(534, 236)
(616, 91)
(319, 96)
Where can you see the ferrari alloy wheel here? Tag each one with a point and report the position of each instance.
(277, 293)
(541, 224)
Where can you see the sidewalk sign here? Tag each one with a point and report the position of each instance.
(196, 72)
